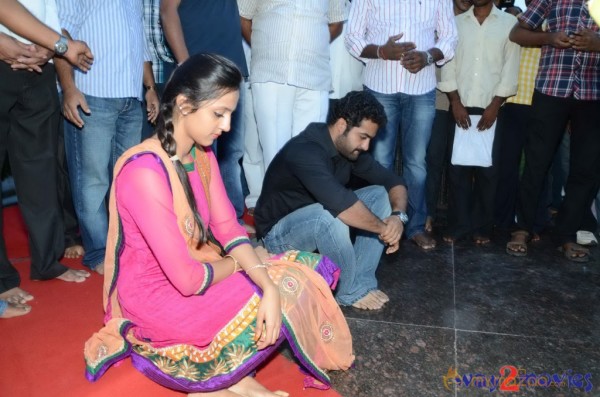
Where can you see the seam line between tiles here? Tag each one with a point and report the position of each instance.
(454, 315)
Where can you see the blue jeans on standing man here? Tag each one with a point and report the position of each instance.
(412, 116)
(313, 228)
(113, 126)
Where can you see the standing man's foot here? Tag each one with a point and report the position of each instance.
(74, 251)
(74, 276)
(424, 241)
(429, 224)
(382, 296)
(15, 310)
(16, 295)
(99, 269)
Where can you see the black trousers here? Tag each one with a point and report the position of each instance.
(472, 192)
(29, 117)
(437, 158)
(547, 123)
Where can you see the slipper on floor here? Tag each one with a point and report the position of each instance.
(586, 238)
(570, 251)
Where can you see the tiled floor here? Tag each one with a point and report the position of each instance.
(475, 310)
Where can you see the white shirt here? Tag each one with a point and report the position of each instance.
(374, 21)
(486, 62)
(44, 10)
(290, 40)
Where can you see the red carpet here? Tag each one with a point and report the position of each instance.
(42, 352)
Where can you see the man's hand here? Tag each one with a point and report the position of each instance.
(586, 40)
(414, 61)
(35, 58)
(73, 99)
(461, 116)
(152, 105)
(560, 40)
(488, 118)
(393, 230)
(79, 55)
(22, 56)
(394, 51)
(392, 248)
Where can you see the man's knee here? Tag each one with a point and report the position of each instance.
(376, 198)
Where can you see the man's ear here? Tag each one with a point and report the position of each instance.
(340, 125)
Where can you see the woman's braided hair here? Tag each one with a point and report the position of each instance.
(201, 78)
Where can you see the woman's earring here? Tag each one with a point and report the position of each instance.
(181, 110)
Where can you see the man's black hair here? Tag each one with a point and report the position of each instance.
(355, 107)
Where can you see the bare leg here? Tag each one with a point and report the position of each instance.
(16, 295)
(249, 387)
(74, 251)
(74, 276)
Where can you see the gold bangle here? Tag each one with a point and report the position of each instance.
(235, 263)
(260, 265)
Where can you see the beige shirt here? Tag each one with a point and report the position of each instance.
(486, 62)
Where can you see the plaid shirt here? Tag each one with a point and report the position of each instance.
(159, 51)
(528, 68)
(565, 72)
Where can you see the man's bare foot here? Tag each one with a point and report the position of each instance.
(74, 276)
(74, 251)
(424, 241)
(368, 302)
(249, 387)
(429, 224)
(15, 310)
(16, 295)
(382, 296)
(99, 269)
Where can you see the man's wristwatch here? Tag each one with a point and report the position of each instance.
(61, 47)
(429, 58)
(402, 215)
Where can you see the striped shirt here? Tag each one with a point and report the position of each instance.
(486, 63)
(528, 68)
(157, 46)
(290, 40)
(374, 21)
(566, 72)
(114, 30)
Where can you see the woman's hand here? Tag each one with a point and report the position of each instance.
(268, 321)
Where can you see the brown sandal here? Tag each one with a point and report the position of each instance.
(575, 252)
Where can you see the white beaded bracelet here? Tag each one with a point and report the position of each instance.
(260, 265)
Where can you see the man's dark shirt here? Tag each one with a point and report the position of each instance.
(308, 170)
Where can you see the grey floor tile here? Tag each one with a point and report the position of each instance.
(397, 360)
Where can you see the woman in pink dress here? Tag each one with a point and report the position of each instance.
(185, 293)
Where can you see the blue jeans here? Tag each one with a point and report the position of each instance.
(313, 228)
(114, 125)
(229, 149)
(412, 116)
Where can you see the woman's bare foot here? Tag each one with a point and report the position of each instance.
(16, 295)
(249, 387)
(218, 393)
(15, 310)
(74, 276)
(74, 251)
(368, 302)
